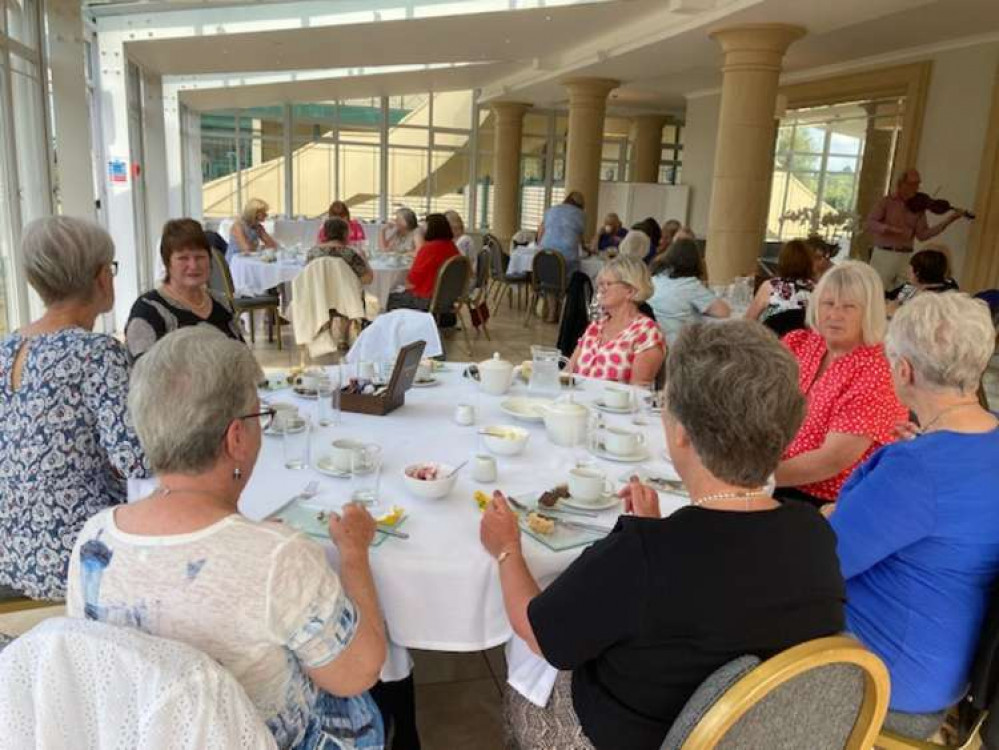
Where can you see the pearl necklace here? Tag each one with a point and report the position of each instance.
(744, 495)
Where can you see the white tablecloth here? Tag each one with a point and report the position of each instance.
(439, 589)
(252, 276)
(522, 258)
(387, 277)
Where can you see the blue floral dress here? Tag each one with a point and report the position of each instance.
(67, 447)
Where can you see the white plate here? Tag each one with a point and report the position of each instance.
(325, 466)
(524, 408)
(599, 403)
(605, 502)
(426, 383)
(638, 456)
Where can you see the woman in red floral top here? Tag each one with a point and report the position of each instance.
(843, 372)
(626, 346)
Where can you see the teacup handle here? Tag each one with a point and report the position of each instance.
(608, 487)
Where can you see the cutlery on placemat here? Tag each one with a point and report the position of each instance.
(309, 490)
(544, 509)
(576, 524)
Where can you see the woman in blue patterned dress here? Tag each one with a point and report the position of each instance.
(66, 443)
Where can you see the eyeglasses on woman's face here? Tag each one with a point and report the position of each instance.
(603, 286)
(266, 417)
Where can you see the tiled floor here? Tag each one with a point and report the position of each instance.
(458, 696)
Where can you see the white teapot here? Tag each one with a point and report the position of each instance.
(495, 375)
(566, 421)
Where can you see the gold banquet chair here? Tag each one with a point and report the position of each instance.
(826, 694)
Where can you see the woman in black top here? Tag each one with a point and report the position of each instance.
(643, 616)
(183, 299)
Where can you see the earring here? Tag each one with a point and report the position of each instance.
(237, 473)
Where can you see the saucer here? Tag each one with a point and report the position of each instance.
(640, 455)
(279, 431)
(310, 393)
(426, 383)
(602, 503)
(525, 408)
(325, 466)
(599, 403)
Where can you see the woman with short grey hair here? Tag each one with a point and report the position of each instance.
(260, 598)
(918, 523)
(67, 446)
(644, 615)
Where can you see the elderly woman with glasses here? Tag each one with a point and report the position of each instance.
(259, 598)
(183, 299)
(644, 615)
(624, 346)
(918, 524)
(67, 445)
(852, 406)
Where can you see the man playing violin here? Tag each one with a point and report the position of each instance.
(894, 226)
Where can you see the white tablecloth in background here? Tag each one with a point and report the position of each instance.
(252, 276)
(522, 258)
(386, 278)
(439, 589)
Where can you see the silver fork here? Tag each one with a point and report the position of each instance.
(309, 490)
(542, 509)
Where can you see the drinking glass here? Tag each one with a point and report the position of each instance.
(365, 473)
(296, 442)
(327, 403)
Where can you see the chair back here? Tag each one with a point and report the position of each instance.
(482, 260)
(451, 285)
(825, 694)
(575, 312)
(548, 272)
(217, 241)
(785, 321)
(220, 278)
(71, 682)
(498, 260)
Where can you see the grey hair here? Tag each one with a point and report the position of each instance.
(185, 392)
(635, 244)
(632, 272)
(734, 389)
(859, 283)
(948, 339)
(62, 257)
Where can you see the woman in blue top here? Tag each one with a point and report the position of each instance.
(918, 524)
(680, 296)
(67, 445)
(562, 230)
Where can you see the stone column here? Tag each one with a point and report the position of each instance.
(508, 128)
(740, 194)
(585, 137)
(873, 178)
(646, 147)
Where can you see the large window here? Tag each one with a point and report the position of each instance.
(375, 153)
(24, 154)
(819, 162)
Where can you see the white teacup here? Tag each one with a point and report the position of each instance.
(282, 413)
(588, 485)
(341, 452)
(622, 442)
(617, 398)
(277, 380)
(424, 372)
(309, 380)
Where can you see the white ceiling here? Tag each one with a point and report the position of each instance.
(659, 49)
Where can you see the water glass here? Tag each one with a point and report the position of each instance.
(327, 403)
(365, 473)
(296, 443)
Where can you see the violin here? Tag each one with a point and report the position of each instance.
(922, 202)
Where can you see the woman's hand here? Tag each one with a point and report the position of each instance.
(354, 531)
(640, 499)
(499, 530)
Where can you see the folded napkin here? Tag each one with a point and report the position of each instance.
(528, 673)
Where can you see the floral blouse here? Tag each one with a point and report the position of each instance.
(614, 359)
(67, 447)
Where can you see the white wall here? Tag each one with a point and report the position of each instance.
(699, 136)
(950, 148)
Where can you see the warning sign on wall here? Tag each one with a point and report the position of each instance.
(118, 170)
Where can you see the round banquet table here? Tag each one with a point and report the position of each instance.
(522, 258)
(252, 276)
(439, 589)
